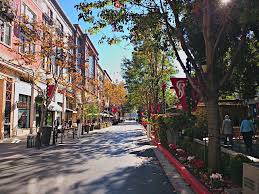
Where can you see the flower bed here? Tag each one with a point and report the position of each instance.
(214, 181)
(192, 165)
(194, 171)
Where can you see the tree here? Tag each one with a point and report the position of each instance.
(151, 65)
(47, 54)
(115, 92)
(244, 81)
(210, 33)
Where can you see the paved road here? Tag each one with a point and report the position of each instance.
(115, 160)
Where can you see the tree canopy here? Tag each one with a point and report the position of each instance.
(211, 34)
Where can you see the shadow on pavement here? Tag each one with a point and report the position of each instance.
(41, 170)
(146, 178)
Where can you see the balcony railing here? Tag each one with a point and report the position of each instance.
(7, 10)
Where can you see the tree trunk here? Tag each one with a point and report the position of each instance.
(42, 117)
(213, 132)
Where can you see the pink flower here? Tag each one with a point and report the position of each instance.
(197, 163)
(173, 146)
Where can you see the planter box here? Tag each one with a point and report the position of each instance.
(251, 178)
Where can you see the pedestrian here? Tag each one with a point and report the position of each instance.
(247, 130)
(227, 130)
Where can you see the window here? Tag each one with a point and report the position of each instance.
(50, 12)
(5, 32)
(91, 66)
(26, 47)
(26, 11)
(59, 28)
(24, 111)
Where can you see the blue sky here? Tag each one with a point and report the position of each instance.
(110, 56)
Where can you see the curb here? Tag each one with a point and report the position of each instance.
(189, 178)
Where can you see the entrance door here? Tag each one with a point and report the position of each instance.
(8, 109)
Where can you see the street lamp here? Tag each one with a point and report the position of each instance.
(163, 90)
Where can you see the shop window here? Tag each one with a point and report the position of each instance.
(24, 111)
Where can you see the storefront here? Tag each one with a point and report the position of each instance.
(22, 111)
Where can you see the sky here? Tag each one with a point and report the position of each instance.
(110, 57)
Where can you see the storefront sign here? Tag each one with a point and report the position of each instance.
(23, 105)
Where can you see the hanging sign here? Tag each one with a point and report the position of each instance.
(179, 84)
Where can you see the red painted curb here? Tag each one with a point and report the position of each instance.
(189, 178)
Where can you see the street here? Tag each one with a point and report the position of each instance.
(115, 160)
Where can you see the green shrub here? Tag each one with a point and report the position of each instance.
(225, 166)
(194, 149)
(201, 124)
(236, 168)
(162, 132)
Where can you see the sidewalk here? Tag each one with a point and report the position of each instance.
(16, 147)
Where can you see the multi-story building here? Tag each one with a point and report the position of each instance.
(106, 99)
(18, 96)
(100, 87)
(16, 103)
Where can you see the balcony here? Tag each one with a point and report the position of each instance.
(7, 10)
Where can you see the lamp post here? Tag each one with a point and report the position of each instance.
(188, 89)
(163, 93)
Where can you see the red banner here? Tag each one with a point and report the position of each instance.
(179, 84)
(114, 110)
(50, 89)
(152, 108)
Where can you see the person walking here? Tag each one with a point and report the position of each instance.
(227, 130)
(247, 130)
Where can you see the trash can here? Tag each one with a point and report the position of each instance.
(30, 141)
(46, 134)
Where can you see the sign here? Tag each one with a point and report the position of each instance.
(179, 84)
(50, 90)
(23, 105)
(114, 110)
(152, 108)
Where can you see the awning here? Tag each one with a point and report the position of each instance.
(104, 115)
(71, 110)
(53, 106)
(91, 114)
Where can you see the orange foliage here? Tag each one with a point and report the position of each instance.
(115, 92)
